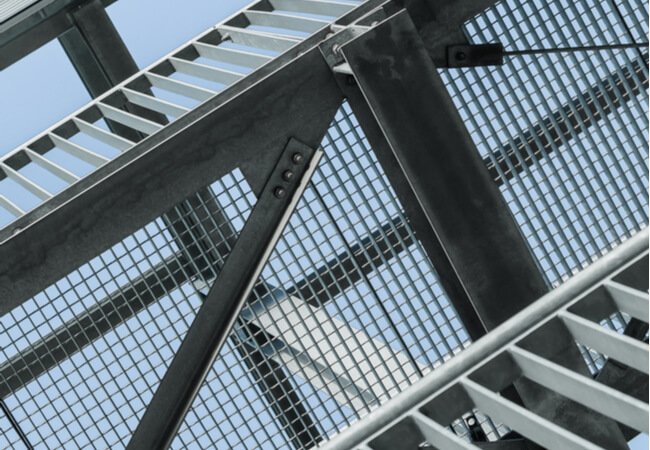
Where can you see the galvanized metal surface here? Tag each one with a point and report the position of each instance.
(218, 313)
(484, 361)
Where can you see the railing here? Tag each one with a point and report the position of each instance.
(144, 104)
(423, 412)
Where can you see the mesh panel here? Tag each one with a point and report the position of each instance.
(82, 359)
(565, 135)
(347, 314)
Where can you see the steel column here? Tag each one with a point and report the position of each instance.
(450, 183)
(457, 195)
(207, 249)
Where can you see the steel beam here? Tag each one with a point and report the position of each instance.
(462, 204)
(464, 209)
(205, 234)
(227, 296)
(102, 60)
(418, 220)
(96, 49)
(246, 127)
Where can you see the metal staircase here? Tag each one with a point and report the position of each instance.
(527, 347)
(157, 96)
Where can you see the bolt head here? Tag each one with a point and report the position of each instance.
(287, 175)
(471, 421)
(297, 158)
(279, 192)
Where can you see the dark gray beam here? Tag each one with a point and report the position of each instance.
(463, 205)
(102, 60)
(539, 141)
(227, 296)
(464, 209)
(446, 272)
(96, 49)
(246, 126)
(205, 234)
(34, 27)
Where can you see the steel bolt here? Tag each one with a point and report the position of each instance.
(297, 158)
(471, 421)
(279, 192)
(287, 175)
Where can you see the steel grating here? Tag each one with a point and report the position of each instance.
(357, 274)
(576, 187)
(348, 311)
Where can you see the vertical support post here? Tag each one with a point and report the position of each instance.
(227, 296)
(102, 59)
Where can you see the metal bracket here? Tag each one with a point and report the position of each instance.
(474, 55)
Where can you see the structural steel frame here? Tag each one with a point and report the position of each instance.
(293, 97)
